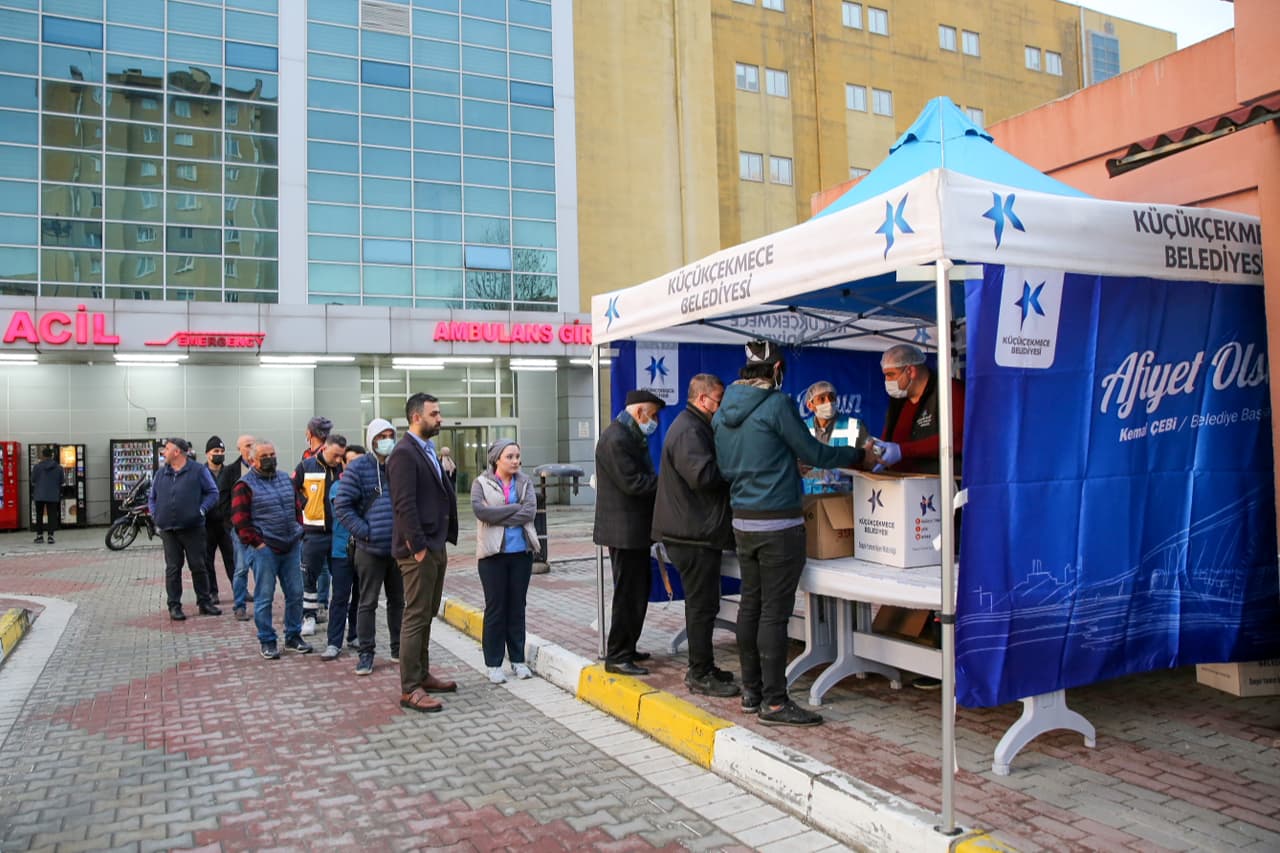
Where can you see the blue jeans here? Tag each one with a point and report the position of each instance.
(267, 566)
(340, 611)
(240, 581)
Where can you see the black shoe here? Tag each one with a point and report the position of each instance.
(722, 674)
(299, 645)
(789, 714)
(709, 685)
(927, 682)
(270, 651)
(210, 610)
(215, 599)
(40, 539)
(241, 614)
(176, 614)
(636, 657)
(750, 702)
(625, 668)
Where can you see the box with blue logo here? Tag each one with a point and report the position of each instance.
(896, 518)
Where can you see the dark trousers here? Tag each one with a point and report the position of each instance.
(345, 606)
(505, 578)
(423, 587)
(47, 516)
(179, 545)
(375, 572)
(771, 563)
(315, 560)
(218, 538)
(700, 575)
(631, 579)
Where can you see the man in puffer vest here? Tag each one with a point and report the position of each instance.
(268, 520)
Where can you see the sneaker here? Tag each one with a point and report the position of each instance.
(50, 538)
(330, 653)
(750, 702)
(709, 685)
(353, 644)
(394, 657)
(309, 626)
(364, 666)
(39, 539)
(299, 645)
(322, 615)
(789, 714)
(240, 614)
(521, 670)
(722, 674)
(269, 651)
(496, 675)
(926, 682)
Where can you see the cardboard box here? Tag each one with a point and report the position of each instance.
(1260, 678)
(828, 526)
(897, 518)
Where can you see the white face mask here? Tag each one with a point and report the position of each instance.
(384, 446)
(892, 388)
(826, 411)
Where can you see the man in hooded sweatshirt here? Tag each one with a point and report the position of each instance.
(759, 436)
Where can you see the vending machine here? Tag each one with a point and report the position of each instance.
(131, 460)
(9, 461)
(74, 507)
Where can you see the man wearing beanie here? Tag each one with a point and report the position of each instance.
(625, 488)
(363, 506)
(216, 534)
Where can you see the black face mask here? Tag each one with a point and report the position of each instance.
(216, 458)
(268, 466)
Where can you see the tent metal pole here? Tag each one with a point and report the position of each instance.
(946, 461)
(595, 420)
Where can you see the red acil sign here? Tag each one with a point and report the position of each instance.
(57, 328)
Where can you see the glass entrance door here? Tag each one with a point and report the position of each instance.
(469, 446)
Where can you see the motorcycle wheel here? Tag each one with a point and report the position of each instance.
(121, 534)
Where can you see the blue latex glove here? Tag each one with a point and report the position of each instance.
(890, 453)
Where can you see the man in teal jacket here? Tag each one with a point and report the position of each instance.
(759, 437)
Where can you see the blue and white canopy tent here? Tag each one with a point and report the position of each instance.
(1117, 459)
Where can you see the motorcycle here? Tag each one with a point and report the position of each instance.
(137, 516)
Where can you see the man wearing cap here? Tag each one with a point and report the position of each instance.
(362, 503)
(626, 485)
(759, 436)
(182, 494)
(217, 536)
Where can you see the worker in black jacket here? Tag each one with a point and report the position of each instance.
(691, 518)
(227, 479)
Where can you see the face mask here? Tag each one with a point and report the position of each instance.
(826, 411)
(649, 427)
(891, 388)
(216, 458)
(384, 446)
(268, 466)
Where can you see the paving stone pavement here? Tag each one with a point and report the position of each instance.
(145, 734)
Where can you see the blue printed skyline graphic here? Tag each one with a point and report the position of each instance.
(1000, 212)
(1030, 301)
(657, 367)
(894, 219)
(611, 313)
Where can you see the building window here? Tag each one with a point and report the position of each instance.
(746, 2)
(149, 103)
(149, 199)
(1053, 63)
(146, 266)
(186, 140)
(855, 97)
(151, 134)
(148, 169)
(877, 21)
(187, 264)
(780, 170)
(750, 166)
(229, 267)
(233, 115)
(882, 102)
(857, 172)
(233, 235)
(1033, 57)
(775, 5)
(233, 148)
(146, 234)
(976, 116)
(182, 108)
(851, 15)
(970, 43)
(777, 83)
(1104, 57)
(946, 37)
(187, 201)
(186, 171)
(233, 174)
(748, 77)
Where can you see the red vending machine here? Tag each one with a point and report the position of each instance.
(131, 460)
(74, 506)
(9, 461)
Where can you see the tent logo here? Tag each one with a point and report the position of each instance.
(922, 336)
(611, 313)
(893, 219)
(1001, 211)
(926, 504)
(875, 501)
(657, 367)
(1030, 314)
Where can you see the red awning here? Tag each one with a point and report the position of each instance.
(1173, 141)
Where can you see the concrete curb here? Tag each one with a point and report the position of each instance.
(14, 625)
(858, 814)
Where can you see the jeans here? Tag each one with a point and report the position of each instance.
(700, 575)
(631, 579)
(771, 563)
(47, 514)
(375, 572)
(218, 538)
(344, 575)
(188, 544)
(423, 586)
(267, 566)
(315, 562)
(505, 578)
(244, 562)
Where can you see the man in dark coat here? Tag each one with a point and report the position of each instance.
(216, 533)
(46, 493)
(227, 479)
(625, 488)
(182, 494)
(691, 518)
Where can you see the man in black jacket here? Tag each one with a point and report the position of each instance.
(217, 535)
(625, 488)
(691, 518)
(182, 494)
(227, 479)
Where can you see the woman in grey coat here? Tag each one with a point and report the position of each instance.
(505, 503)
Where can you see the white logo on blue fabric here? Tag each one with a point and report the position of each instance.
(657, 368)
(1030, 311)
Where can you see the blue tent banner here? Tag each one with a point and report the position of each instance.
(1118, 459)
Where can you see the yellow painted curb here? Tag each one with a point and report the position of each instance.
(466, 619)
(681, 725)
(13, 625)
(979, 842)
(618, 695)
